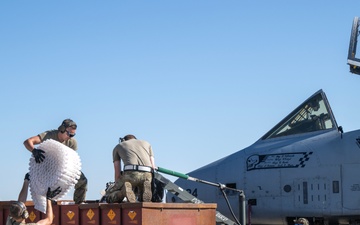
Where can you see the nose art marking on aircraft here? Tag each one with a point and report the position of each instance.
(284, 160)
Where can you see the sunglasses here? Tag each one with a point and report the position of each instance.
(70, 134)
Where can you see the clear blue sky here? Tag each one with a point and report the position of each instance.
(198, 79)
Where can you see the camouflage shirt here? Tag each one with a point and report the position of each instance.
(53, 134)
(133, 152)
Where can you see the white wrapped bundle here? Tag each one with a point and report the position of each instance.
(60, 168)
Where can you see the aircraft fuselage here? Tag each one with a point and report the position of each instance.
(298, 169)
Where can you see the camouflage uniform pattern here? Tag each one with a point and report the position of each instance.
(80, 189)
(130, 181)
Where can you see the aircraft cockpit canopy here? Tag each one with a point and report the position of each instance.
(313, 115)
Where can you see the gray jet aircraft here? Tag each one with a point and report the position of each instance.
(305, 166)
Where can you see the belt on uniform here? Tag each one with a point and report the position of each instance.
(137, 168)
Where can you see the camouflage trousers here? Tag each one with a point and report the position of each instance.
(80, 189)
(140, 182)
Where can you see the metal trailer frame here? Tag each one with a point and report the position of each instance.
(187, 197)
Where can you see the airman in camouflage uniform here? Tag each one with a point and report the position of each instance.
(139, 162)
(65, 135)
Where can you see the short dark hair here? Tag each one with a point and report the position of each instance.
(67, 123)
(129, 136)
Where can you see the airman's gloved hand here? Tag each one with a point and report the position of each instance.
(38, 155)
(27, 177)
(51, 194)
